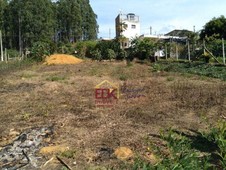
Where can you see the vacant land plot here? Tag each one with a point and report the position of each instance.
(63, 97)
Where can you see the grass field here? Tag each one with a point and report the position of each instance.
(168, 110)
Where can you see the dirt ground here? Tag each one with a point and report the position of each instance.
(63, 96)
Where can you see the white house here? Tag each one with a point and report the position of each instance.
(127, 26)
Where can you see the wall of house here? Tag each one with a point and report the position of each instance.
(132, 25)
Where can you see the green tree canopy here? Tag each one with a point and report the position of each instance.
(29, 21)
(25, 22)
(215, 26)
(3, 4)
(69, 20)
(76, 20)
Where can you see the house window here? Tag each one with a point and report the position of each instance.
(133, 26)
(131, 17)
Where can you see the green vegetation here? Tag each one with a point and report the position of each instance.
(15, 65)
(31, 24)
(55, 78)
(178, 150)
(214, 26)
(68, 154)
(198, 68)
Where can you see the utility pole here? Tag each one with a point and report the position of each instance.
(1, 46)
(150, 30)
(109, 33)
(223, 51)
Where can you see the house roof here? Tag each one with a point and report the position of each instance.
(179, 33)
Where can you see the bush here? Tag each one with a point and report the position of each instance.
(96, 55)
(143, 48)
(13, 53)
(40, 50)
(110, 54)
(104, 46)
(122, 55)
(206, 56)
(85, 48)
(66, 48)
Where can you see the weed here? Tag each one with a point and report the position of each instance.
(186, 151)
(170, 79)
(141, 164)
(28, 75)
(217, 135)
(70, 154)
(192, 68)
(156, 67)
(55, 78)
(129, 64)
(15, 65)
(26, 116)
(93, 71)
(123, 77)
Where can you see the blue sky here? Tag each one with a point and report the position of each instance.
(162, 15)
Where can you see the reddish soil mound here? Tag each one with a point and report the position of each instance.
(62, 59)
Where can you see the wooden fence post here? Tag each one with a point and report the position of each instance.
(6, 55)
(1, 46)
(223, 51)
(189, 53)
(177, 52)
(166, 51)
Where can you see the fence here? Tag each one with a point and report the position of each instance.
(195, 51)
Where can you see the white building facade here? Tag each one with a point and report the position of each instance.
(127, 26)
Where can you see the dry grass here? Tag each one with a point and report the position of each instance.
(36, 99)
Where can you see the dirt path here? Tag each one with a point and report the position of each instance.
(63, 96)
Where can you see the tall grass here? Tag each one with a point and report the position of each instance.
(14, 65)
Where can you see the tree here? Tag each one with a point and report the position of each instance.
(69, 20)
(3, 4)
(89, 23)
(215, 26)
(143, 48)
(29, 21)
(76, 20)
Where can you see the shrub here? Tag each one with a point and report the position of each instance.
(96, 55)
(122, 55)
(67, 48)
(85, 48)
(13, 53)
(103, 47)
(143, 48)
(110, 54)
(40, 50)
